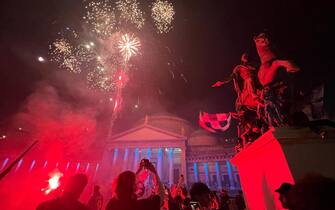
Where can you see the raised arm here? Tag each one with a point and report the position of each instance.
(158, 183)
(229, 78)
(288, 65)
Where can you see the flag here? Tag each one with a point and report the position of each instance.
(214, 123)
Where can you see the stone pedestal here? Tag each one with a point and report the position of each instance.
(282, 155)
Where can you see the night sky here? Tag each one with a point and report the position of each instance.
(176, 73)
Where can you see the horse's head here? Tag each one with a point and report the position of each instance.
(262, 40)
(264, 47)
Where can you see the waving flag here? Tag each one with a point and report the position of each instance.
(214, 123)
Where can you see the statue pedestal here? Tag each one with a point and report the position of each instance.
(282, 155)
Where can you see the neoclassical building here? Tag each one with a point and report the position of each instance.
(175, 147)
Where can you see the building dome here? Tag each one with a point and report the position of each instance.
(202, 138)
(169, 122)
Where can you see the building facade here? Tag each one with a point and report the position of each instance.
(174, 147)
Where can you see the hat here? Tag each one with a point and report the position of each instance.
(284, 188)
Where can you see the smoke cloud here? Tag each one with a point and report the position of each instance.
(53, 121)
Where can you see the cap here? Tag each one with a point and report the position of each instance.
(284, 188)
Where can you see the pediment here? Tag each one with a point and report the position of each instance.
(146, 133)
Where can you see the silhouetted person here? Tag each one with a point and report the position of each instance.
(177, 196)
(181, 181)
(224, 200)
(239, 200)
(283, 191)
(214, 201)
(313, 192)
(69, 199)
(187, 204)
(95, 202)
(200, 196)
(126, 198)
(175, 203)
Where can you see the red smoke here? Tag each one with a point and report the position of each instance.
(65, 130)
(61, 128)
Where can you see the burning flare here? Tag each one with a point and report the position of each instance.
(53, 182)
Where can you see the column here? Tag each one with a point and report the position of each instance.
(218, 175)
(32, 165)
(45, 164)
(230, 174)
(125, 159)
(96, 171)
(183, 164)
(206, 173)
(171, 166)
(116, 153)
(78, 167)
(87, 167)
(149, 153)
(159, 162)
(67, 165)
(4, 163)
(195, 171)
(115, 166)
(136, 163)
(18, 165)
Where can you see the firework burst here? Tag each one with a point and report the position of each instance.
(128, 46)
(63, 53)
(162, 13)
(101, 17)
(86, 53)
(104, 63)
(101, 80)
(130, 12)
(103, 54)
(105, 48)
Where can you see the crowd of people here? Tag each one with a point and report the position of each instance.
(129, 194)
(314, 192)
